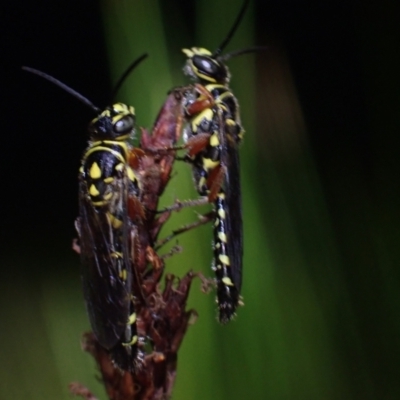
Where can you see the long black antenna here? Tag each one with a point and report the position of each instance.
(65, 87)
(127, 72)
(233, 29)
(235, 53)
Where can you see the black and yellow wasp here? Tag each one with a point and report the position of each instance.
(213, 134)
(107, 228)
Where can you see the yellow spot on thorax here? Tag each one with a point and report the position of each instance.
(209, 164)
(214, 140)
(93, 191)
(120, 167)
(205, 114)
(95, 171)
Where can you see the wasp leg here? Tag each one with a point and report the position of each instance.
(183, 204)
(203, 219)
(205, 100)
(175, 250)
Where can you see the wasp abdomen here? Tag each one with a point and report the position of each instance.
(227, 292)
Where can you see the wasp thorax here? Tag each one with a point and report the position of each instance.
(114, 123)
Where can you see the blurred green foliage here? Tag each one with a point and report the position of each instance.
(321, 290)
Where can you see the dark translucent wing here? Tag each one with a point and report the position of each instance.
(107, 296)
(233, 200)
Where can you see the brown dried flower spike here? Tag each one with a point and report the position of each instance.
(162, 318)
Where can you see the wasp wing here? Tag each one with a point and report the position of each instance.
(106, 287)
(233, 200)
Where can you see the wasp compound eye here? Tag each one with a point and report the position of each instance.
(209, 67)
(124, 125)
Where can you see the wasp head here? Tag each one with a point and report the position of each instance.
(116, 122)
(204, 67)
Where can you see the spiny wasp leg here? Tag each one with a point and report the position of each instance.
(203, 219)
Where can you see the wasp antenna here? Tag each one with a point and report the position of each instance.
(63, 86)
(127, 72)
(233, 29)
(235, 53)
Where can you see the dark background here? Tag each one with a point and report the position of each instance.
(343, 66)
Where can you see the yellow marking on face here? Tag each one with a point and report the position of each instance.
(209, 164)
(221, 196)
(107, 196)
(196, 51)
(110, 179)
(120, 167)
(222, 213)
(95, 171)
(227, 281)
(116, 118)
(201, 51)
(132, 319)
(93, 190)
(222, 237)
(120, 108)
(205, 77)
(105, 113)
(131, 175)
(224, 259)
(188, 53)
(132, 342)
